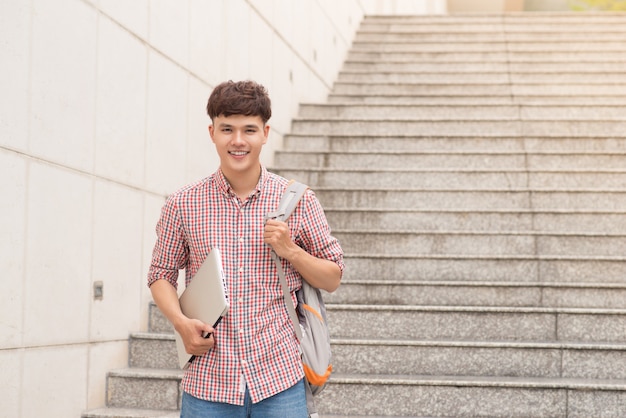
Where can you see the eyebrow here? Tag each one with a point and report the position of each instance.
(228, 125)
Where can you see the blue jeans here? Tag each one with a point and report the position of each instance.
(290, 403)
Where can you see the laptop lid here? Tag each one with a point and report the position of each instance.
(205, 298)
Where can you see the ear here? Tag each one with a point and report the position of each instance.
(211, 131)
(266, 133)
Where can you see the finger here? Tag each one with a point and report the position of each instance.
(273, 224)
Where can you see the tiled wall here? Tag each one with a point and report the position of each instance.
(102, 115)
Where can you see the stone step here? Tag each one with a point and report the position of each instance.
(158, 323)
(476, 220)
(150, 413)
(436, 144)
(152, 350)
(566, 19)
(367, 36)
(489, 56)
(157, 389)
(515, 282)
(424, 357)
(457, 293)
(554, 68)
(452, 20)
(130, 413)
(513, 199)
(529, 324)
(486, 89)
(513, 47)
(534, 128)
(454, 179)
(615, 26)
(136, 382)
(484, 243)
(539, 98)
(458, 396)
(506, 161)
(490, 268)
(464, 112)
(477, 358)
(482, 78)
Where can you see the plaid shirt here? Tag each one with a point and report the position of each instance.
(255, 339)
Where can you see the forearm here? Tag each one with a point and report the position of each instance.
(319, 273)
(166, 298)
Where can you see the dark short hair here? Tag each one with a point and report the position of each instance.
(246, 98)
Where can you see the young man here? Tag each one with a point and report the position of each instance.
(250, 366)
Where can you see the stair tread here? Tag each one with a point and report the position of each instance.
(501, 257)
(459, 283)
(578, 345)
(469, 309)
(461, 190)
(401, 170)
(483, 381)
(154, 335)
(563, 211)
(132, 372)
(554, 345)
(479, 232)
(129, 413)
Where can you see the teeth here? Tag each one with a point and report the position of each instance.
(238, 152)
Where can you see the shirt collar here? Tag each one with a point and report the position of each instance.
(224, 185)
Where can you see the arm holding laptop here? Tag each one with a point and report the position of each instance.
(191, 330)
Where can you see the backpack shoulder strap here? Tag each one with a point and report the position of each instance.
(288, 203)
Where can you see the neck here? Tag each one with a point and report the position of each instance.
(243, 183)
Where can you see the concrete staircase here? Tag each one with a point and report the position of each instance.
(474, 169)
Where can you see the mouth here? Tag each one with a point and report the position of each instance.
(238, 153)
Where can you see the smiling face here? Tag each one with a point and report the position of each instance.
(238, 140)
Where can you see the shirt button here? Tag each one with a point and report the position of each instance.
(241, 330)
(240, 300)
(240, 269)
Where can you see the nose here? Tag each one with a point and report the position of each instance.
(237, 137)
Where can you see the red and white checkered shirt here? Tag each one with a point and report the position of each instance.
(255, 340)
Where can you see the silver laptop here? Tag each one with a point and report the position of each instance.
(206, 299)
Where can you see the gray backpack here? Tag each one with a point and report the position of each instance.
(310, 319)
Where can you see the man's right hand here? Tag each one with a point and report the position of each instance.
(192, 332)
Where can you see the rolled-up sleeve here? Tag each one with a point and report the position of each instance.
(171, 251)
(315, 233)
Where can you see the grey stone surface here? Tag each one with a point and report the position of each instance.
(405, 398)
(505, 160)
(144, 389)
(436, 243)
(478, 323)
(395, 292)
(544, 199)
(400, 127)
(153, 351)
(476, 220)
(608, 404)
(130, 413)
(158, 322)
(370, 266)
(468, 323)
